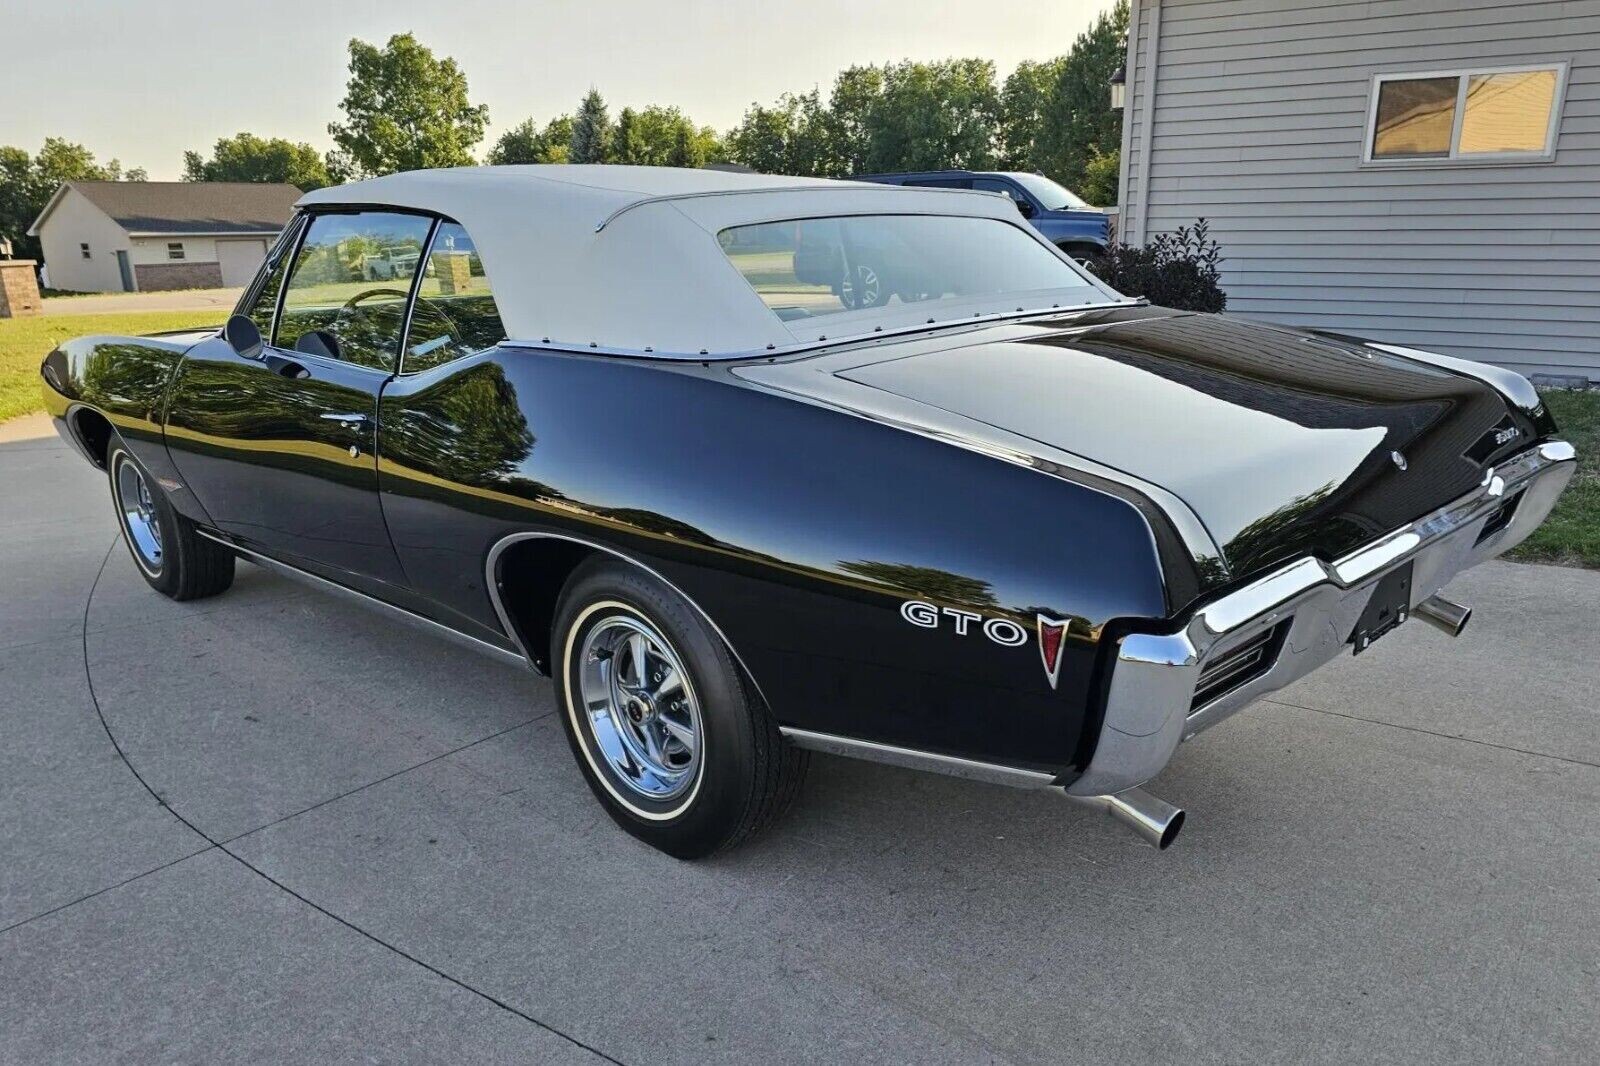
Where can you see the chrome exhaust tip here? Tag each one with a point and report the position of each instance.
(1443, 614)
(1155, 821)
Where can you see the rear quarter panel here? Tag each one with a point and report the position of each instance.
(800, 530)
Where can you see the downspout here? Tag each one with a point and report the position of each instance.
(1130, 69)
(1147, 131)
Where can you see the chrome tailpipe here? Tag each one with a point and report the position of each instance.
(1153, 820)
(1450, 617)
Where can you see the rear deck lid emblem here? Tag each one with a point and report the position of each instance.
(1052, 642)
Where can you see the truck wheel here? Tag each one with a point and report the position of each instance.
(665, 728)
(1087, 255)
(171, 556)
(863, 287)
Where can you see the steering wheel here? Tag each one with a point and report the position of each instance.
(353, 312)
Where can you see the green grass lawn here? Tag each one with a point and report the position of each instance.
(1571, 535)
(24, 342)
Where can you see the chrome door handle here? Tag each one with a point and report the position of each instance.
(349, 419)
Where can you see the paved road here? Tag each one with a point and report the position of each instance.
(182, 300)
(369, 846)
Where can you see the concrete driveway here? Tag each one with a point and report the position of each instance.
(270, 827)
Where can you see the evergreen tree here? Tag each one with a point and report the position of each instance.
(623, 138)
(591, 131)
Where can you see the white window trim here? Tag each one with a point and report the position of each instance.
(176, 246)
(1471, 159)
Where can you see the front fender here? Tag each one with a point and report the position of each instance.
(125, 381)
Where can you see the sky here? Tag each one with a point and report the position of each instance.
(143, 80)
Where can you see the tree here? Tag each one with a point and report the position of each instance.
(1078, 120)
(26, 184)
(526, 143)
(622, 138)
(761, 139)
(683, 148)
(1101, 178)
(406, 110)
(856, 92)
(591, 130)
(246, 157)
(1027, 92)
(794, 137)
(934, 115)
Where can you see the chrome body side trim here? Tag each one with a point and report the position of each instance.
(913, 759)
(704, 194)
(428, 625)
(1148, 709)
(666, 355)
(491, 573)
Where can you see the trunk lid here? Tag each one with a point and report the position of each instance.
(1282, 443)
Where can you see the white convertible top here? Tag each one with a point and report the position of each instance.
(626, 258)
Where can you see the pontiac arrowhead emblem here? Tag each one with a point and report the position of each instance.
(1398, 459)
(1052, 643)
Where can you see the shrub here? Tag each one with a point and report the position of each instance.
(1177, 269)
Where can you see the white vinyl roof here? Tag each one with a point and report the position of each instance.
(626, 258)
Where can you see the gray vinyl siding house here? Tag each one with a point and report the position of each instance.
(1263, 117)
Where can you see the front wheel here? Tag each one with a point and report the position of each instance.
(171, 556)
(664, 727)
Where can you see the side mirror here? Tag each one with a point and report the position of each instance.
(1025, 208)
(243, 337)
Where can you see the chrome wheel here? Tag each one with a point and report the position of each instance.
(641, 708)
(139, 516)
(861, 287)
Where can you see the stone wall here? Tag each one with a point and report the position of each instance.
(153, 277)
(19, 288)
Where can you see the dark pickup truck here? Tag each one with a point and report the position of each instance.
(1065, 220)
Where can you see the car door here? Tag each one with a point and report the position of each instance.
(281, 449)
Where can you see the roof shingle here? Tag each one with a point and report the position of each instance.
(192, 206)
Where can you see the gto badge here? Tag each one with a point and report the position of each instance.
(1507, 435)
(1003, 631)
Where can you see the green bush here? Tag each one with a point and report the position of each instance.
(1178, 269)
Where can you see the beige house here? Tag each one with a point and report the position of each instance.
(140, 236)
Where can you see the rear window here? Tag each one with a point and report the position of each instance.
(805, 268)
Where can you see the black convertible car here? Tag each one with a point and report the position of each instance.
(640, 429)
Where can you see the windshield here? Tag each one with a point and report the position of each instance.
(1051, 197)
(820, 266)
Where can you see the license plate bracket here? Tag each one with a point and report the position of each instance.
(1390, 605)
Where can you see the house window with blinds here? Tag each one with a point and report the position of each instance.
(1502, 114)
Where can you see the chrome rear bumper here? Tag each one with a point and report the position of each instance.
(1148, 709)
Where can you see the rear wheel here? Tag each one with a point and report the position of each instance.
(665, 728)
(170, 554)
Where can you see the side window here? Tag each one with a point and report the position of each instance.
(995, 185)
(941, 183)
(455, 313)
(347, 291)
(266, 304)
